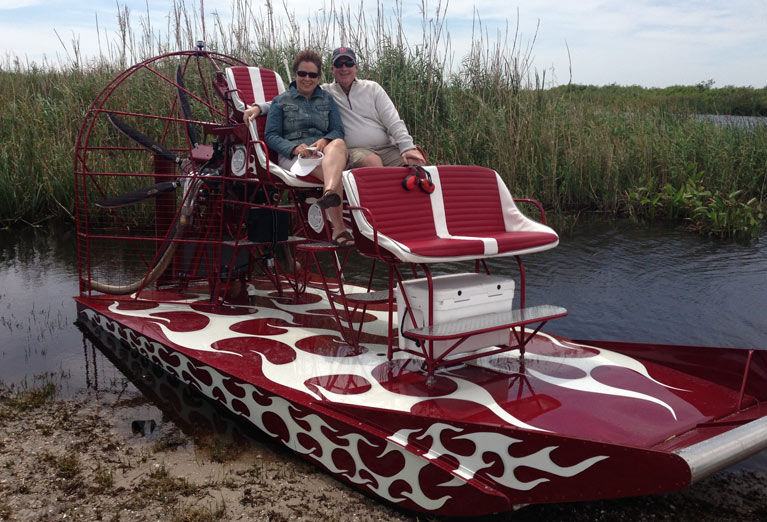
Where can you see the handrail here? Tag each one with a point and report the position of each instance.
(537, 204)
(369, 217)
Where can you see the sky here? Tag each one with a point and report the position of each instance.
(598, 42)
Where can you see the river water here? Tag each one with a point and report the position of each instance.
(618, 280)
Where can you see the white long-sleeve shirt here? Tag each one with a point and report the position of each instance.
(370, 118)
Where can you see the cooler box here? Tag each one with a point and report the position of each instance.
(456, 296)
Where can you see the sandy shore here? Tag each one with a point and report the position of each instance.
(77, 459)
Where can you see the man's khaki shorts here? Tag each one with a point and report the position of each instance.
(389, 155)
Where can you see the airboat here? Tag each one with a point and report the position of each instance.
(422, 379)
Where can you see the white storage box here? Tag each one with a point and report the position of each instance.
(456, 296)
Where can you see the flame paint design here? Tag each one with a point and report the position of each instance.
(306, 366)
(499, 444)
(301, 371)
(587, 365)
(297, 423)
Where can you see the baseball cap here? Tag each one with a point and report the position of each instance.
(344, 51)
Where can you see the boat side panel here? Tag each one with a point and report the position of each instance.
(566, 422)
(449, 468)
(292, 349)
(350, 452)
(533, 467)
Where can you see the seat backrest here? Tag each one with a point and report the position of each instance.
(251, 85)
(471, 200)
(464, 189)
(401, 215)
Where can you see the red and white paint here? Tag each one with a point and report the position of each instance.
(499, 428)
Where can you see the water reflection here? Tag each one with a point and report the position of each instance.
(745, 122)
(635, 283)
(630, 282)
(154, 403)
(37, 282)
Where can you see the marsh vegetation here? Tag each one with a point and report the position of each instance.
(609, 149)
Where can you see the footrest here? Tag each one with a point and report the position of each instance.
(381, 296)
(487, 323)
(248, 242)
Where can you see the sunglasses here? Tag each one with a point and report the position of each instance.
(304, 74)
(348, 64)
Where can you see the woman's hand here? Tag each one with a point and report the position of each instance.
(251, 113)
(304, 151)
(320, 144)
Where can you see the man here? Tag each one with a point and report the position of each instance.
(374, 133)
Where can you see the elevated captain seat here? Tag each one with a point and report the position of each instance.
(249, 86)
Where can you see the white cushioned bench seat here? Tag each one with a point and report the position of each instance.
(470, 215)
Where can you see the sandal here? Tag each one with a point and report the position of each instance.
(344, 239)
(329, 199)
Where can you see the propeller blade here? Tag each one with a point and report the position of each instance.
(186, 108)
(138, 195)
(143, 140)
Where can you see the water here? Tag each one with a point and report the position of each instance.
(38, 339)
(629, 282)
(744, 122)
(619, 281)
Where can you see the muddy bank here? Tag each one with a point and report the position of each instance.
(84, 459)
(75, 460)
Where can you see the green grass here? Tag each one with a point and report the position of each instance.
(42, 110)
(572, 147)
(104, 479)
(702, 98)
(12, 403)
(66, 468)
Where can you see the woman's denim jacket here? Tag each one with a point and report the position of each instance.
(292, 120)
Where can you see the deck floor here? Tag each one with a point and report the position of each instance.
(293, 348)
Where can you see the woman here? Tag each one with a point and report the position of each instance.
(305, 119)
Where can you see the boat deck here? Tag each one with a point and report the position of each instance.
(293, 349)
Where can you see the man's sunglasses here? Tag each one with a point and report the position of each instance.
(304, 74)
(349, 64)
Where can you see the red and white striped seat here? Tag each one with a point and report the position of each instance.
(252, 85)
(470, 215)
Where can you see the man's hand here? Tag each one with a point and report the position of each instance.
(251, 113)
(413, 157)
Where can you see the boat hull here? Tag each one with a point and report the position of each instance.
(480, 438)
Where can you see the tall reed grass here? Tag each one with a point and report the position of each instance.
(571, 147)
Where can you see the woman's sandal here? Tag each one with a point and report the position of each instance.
(329, 199)
(344, 239)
